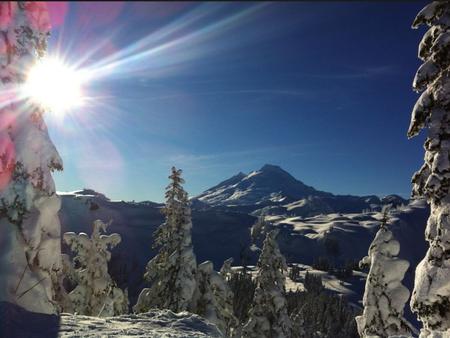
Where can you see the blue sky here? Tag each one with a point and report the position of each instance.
(322, 89)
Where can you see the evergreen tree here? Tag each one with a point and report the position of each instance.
(226, 270)
(268, 316)
(320, 314)
(313, 283)
(243, 288)
(214, 299)
(431, 295)
(259, 229)
(172, 271)
(385, 296)
(30, 252)
(96, 293)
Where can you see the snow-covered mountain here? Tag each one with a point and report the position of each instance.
(270, 184)
(277, 192)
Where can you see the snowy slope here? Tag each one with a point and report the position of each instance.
(275, 190)
(303, 240)
(353, 232)
(17, 322)
(154, 324)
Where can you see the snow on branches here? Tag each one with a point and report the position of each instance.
(214, 300)
(384, 296)
(433, 107)
(172, 271)
(30, 254)
(268, 317)
(431, 295)
(96, 293)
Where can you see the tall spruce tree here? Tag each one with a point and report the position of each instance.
(268, 317)
(431, 295)
(384, 296)
(172, 271)
(30, 249)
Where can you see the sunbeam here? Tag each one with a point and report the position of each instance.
(181, 41)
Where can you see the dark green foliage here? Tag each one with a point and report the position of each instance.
(346, 271)
(243, 288)
(313, 283)
(317, 313)
(322, 263)
(340, 271)
(294, 273)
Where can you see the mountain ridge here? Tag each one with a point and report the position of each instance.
(275, 190)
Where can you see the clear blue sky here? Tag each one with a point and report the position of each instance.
(322, 89)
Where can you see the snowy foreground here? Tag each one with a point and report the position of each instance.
(161, 323)
(17, 322)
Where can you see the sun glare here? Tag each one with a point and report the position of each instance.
(54, 85)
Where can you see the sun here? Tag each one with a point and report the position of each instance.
(54, 85)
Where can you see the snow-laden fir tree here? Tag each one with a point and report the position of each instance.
(30, 249)
(268, 317)
(172, 271)
(226, 269)
(213, 299)
(385, 295)
(431, 295)
(96, 293)
(259, 229)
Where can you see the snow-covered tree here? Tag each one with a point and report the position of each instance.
(384, 296)
(172, 271)
(268, 317)
(259, 229)
(226, 269)
(431, 295)
(30, 250)
(96, 293)
(213, 299)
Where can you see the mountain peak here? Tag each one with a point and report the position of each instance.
(272, 168)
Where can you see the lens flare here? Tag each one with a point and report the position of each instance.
(54, 85)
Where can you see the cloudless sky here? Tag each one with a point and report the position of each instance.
(322, 89)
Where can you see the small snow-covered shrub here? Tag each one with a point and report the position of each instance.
(384, 296)
(214, 300)
(96, 294)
